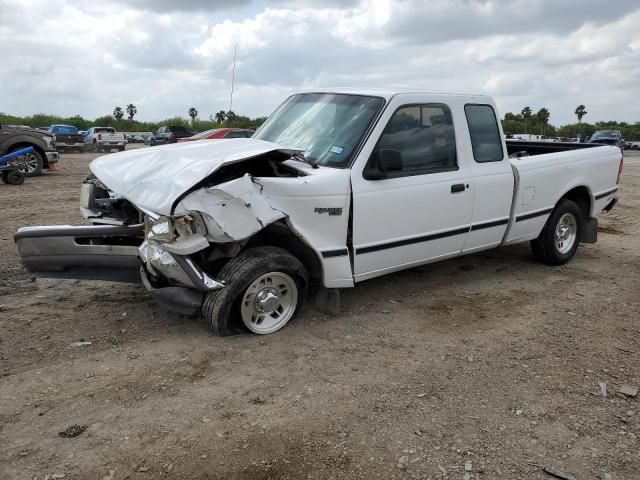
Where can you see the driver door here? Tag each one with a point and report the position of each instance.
(412, 201)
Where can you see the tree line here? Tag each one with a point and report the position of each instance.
(538, 124)
(128, 123)
(513, 123)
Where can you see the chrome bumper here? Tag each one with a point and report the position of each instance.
(179, 269)
(90, 253)
(68, 145)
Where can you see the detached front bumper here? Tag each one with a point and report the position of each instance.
(114, 253)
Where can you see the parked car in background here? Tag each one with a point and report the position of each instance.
(218, 133)
(169, 134)
(608, 137)
(66, 138)
(44, 153)
(99, 139)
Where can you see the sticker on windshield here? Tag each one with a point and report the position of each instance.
(336, 149)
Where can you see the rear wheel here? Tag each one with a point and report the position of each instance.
(559, 239)
(265, 288)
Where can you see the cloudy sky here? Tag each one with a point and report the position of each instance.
(84, 57)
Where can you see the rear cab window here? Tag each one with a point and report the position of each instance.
(64, 129)
(486, 141)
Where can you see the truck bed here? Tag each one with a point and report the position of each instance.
(540, 148)
(542, 179)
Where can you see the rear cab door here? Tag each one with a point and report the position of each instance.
(493, 177)
(422, 210)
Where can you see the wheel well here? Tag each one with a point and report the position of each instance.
(19, 145)
(280, 235)
(582, 198)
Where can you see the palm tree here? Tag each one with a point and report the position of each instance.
(526, 115)
(118, 113)
(193, 113)
(543, 115)
(580, 112)
(131, 111)
(221, 116)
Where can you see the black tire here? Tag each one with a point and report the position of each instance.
(545, 248)
(13, 177)
(221, 308)
(121, 149)
(36, 161)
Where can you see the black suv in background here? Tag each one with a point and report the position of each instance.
(169, 134)
(608, 137)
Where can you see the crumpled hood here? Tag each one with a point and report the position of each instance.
(153, 178)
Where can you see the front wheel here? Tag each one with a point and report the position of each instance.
(33, 163)
(559, 239)
(265, 288)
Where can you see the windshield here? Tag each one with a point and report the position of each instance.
(104, 130)
(606, 133)
(64, 129)
(326, 127)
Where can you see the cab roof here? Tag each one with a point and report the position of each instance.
(389, 93)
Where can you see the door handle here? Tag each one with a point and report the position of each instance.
(458, 187)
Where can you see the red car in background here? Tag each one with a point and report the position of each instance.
(218, 133)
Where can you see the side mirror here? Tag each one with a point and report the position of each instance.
(390, 160)
(383, 161)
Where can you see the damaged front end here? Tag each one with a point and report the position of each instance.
(167, 270)
(178, 250)
(170, 218)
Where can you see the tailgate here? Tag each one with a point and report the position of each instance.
(91, 253)
(113, 137)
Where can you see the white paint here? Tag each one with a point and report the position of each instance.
(153, 178)
(394, 211)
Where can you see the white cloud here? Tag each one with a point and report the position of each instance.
(85, 58)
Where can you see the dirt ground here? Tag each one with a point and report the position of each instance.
(491, 359)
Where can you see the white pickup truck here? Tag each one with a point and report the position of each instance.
(338, 186)
(104, 138)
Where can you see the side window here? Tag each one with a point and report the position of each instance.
(485, 135)
(418, 139)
